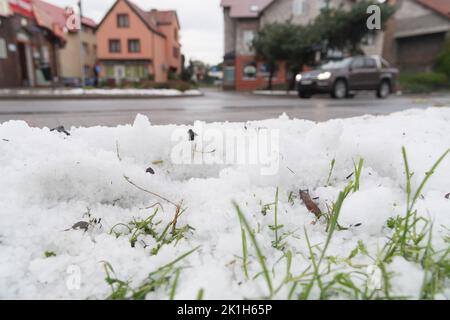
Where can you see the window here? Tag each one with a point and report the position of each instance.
(264, 71)
(370, 63)
(45, 54)
(358, 63)
(114, 46)
(369, 39)
(109, 71)
(299, 7)
(85, 48)
(249, 71)
(324, 4)
(134, 45)
(176, 52)
(228, 75)
(3, 52)
(87, 71)
(123, 20)
(249, 35)
(136, 71)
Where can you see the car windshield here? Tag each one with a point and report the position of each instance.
(336, 64)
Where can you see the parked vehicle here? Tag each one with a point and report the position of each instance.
(343, 78)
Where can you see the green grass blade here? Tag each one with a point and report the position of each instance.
(261, 258)
(174, 285)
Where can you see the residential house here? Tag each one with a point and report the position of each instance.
(27, 49)
(243, 19)
(77, 58)
(422, 28)
(135, 44)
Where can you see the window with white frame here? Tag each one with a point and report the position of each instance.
(299, 7)
(249, 35)
(324, 4)
(3, 51)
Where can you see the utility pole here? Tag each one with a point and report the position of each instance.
(80, 8)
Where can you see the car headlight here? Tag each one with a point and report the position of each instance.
(324, 76)
(298, 77)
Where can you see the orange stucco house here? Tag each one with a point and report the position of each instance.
(133, 44)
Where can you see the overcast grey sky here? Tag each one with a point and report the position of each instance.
(201, 23)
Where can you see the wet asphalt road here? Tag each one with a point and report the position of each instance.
(214, 106)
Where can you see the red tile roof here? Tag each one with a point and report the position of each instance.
(152, 19)
(55, 18)
(147, 17)
(165, 17)
(440, 6)
(246, 8)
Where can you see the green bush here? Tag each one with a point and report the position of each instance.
(443, 61)
(148, 84)
(175, 84)
(423, 82)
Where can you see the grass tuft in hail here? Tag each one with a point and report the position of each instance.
(165, 279)
(138, 229)
(329, 277)
(412, 234)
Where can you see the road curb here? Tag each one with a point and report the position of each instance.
(275, 93)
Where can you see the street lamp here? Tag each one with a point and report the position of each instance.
(80, 8)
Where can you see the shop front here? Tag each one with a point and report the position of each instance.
(27, 51)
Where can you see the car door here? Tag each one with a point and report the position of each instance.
(371, 74)
(356, 74)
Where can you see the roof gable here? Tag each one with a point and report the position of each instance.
(440, 6)
(246, 8)
(144, 16)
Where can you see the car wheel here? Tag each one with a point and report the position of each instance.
(340, 89)
(384, 89)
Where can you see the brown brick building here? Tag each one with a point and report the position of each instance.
(27, 51)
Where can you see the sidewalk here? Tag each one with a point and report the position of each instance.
(24, 94)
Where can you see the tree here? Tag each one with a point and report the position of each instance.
(186, 72)
(344, 30)
(275, 42)
(443, 60)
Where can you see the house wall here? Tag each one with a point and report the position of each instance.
(69, 56)
(171, 42)
(230, 32)
(137, 30)
(283, 10)
(260, 82)
(243, 26)
(160, 61)
(154, 46)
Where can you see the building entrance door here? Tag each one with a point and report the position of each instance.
(119, 73)
(26, 64)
